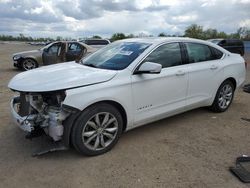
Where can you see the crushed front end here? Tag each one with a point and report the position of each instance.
(39, 113)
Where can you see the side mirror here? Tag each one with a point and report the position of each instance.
(45, 49)
(149, 68)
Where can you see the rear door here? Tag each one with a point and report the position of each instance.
(74, 51)
(205, 70)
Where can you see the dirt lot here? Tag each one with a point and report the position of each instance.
(193, 149)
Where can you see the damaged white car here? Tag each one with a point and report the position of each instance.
(124, 85)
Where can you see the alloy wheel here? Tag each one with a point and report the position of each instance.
(225, 96)
(29, 64)
(100, 131)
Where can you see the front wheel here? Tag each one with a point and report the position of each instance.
(97, 129)
(28, 64)
(224, 97)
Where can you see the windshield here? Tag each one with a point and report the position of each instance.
(116, 56)
(48, 45)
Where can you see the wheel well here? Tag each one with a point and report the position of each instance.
(69, 122)
(233, 81)
(120, 108)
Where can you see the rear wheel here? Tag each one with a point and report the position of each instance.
(28, 64)
(224, 97)
(97, 129)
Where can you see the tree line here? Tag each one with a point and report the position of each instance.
(197, 31)
(21, 37)
(192, 31)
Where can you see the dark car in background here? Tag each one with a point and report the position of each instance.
(232, 45)
(56, 52)
(96, 43)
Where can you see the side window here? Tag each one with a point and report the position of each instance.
(74, 47)
(54, 49)
(198, 52)
(217, 54)
(167, 55)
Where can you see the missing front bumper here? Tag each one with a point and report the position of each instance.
(21, 121)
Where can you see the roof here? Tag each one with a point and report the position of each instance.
(216, 39)
(94, 39)
(83, 44)
(158, 40)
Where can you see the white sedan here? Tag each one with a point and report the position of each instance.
(122, 86)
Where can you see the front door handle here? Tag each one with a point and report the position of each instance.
(213, 67)
(180, 73)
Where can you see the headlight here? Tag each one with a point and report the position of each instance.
(16, 57)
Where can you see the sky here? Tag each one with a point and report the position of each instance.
(85, 18)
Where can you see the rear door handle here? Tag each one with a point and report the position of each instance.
(213, 67)
(180, 73)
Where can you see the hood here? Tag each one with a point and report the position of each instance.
(58, 77)
(31, 52)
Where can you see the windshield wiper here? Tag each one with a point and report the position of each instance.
(90, 65)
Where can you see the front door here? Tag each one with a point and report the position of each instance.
(159, 95)
(53, 54)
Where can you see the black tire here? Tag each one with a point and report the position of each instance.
(28, 64)
(216, 107)
(82, 125)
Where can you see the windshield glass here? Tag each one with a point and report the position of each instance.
(116, 56)
(46, 46)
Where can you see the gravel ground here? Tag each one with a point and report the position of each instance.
(193, 149)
